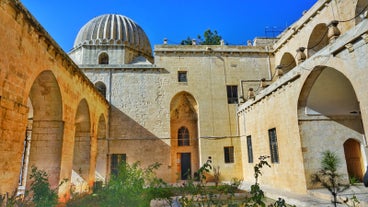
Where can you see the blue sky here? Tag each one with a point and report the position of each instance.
(235, 20)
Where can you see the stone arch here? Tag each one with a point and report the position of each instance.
(103, 58)
(26, 150)
(45, 126)
(318, 39)
(101, 87)
(353, 157)
(102, 150)
(82, 148)
(361, 7)
(184, 113)
(287, 62)
(328, 113)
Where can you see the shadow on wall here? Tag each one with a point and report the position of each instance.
(130, 138)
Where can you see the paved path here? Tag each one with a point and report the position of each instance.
(315, 198)
(318, 197)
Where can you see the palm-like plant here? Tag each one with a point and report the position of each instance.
(328, 177)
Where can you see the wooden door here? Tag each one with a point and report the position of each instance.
(185, 165)
(353, 158)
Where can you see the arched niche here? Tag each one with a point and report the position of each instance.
(101, 87)
(318, 39)
(45, 127)
(184, 154)
(82, 148)
(287, 62)
(360, 9)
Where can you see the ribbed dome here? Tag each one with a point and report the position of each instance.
(113, 29)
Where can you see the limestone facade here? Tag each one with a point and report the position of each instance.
(43, 90)
(318, 104)
(109, 99)
(149, 105)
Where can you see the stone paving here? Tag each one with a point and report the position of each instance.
(314, 198)
(320, 197)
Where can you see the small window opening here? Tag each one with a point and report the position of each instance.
(232, 94)
(103, 59)
(273, 145)
(101, 87)
(182, 77)
(250, 149)
(116, 161)
(183, 137)
(229, 154)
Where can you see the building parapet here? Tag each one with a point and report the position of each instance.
(126, 67)
(208, 49)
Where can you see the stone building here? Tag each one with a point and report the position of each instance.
(179, 110)
(319, 103)
(51, 114)
(112, 98)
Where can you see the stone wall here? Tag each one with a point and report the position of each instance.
(30, 63)
(303, 134)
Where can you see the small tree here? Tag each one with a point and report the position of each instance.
(210, 38)
(257, 194)
(187, 41)
(328, 177)
(41, 192)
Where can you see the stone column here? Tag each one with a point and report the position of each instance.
(101, 162)
(13, 123)
(46, 146)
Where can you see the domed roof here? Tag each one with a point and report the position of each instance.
(113, 29)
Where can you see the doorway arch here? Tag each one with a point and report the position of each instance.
(328, 112)
(353, 157)
(184, 136)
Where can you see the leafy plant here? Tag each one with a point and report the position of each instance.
(131, 186)
(257, 196)
(13, 200)
(42, 194)
(328, 177)
(353, 180)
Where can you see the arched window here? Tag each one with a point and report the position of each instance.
(101, 87)
(183, 137)
(103, 58)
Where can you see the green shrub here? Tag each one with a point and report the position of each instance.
(328, 177)
(131, 186)
(42, 194)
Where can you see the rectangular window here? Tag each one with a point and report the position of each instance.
(232, 94)
(250, 149)
(182, 77)
(229, 154)
(273, 145)
(116, 160)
